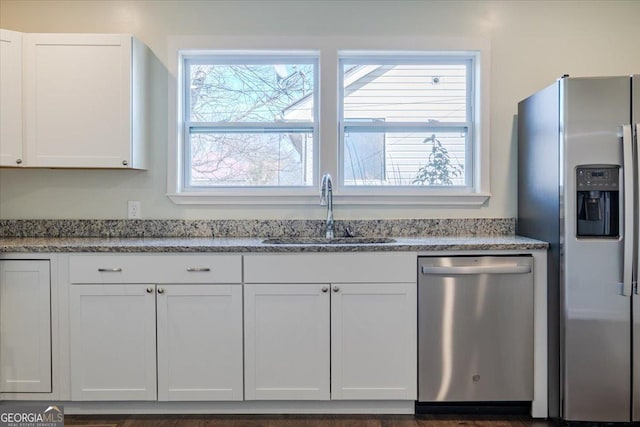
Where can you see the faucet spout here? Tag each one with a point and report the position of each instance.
(326, 199)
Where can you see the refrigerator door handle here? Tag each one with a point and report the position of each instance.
(629, 190)
(636, 144)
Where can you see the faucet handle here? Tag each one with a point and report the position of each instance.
(348, 232)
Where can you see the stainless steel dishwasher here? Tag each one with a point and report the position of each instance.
(475, 329)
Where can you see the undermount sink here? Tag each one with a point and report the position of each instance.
(325, 241)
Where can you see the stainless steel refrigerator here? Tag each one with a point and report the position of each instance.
(578, 189)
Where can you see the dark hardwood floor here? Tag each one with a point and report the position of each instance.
(307, 421)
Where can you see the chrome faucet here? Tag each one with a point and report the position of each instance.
(326, 199)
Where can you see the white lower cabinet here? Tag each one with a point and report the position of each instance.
(373, 341)
(25, 326)
(287, 342)
(198, 348)
(113, 342)
(204, 328)
(199, 342)
(330, 341)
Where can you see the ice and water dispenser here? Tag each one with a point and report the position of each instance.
(598, 205)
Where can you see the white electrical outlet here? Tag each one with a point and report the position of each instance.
(134, 209)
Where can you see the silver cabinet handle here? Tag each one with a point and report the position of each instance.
(161, 290)
(149, 290)
(198, 269)
(125, 163)
(478, 269)
(325, 289)
(110, 270)
(18, 161)
(336, 289)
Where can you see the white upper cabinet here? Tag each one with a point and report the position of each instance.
(84, 101)
(10, 98)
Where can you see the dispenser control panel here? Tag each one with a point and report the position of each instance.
(598, 201)
(597, 178)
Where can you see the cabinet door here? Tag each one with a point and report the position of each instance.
(199, 342)
(113, 342)
(25, 327)
(374, 341)
(10, 98)
(286, 342)
(77, 100)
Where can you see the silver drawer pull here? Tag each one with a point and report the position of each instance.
(198, 269)
(110, 270)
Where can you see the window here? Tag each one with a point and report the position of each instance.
(250, 120)
(395, 121)
(406, 120)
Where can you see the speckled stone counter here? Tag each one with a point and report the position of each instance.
(248, 235)
(200, 244)
(255, 228)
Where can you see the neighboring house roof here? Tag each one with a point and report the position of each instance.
(301, 108)
(402, 93)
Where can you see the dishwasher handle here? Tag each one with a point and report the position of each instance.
(477, 269)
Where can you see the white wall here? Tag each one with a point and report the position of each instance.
(532, 44)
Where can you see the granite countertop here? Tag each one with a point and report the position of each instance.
(243, 244)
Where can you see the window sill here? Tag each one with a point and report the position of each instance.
(441, 200)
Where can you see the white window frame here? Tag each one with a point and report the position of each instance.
(468, 59)
(253, 57)
(328, 157)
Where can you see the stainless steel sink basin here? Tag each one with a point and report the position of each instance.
(325, 241)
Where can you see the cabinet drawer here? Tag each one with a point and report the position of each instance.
(135, 268)
(365, 267)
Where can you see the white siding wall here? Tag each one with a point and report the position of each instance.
(409, 93)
